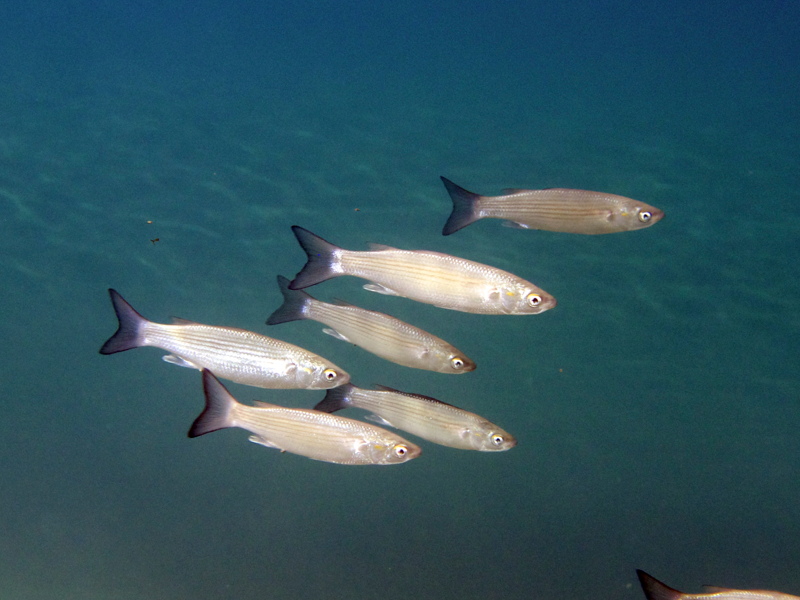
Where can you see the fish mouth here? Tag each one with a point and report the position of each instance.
(547, 303)
(656, 214)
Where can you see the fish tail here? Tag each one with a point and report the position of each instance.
(335, 399)
(655, 590)
(128, 334)
(465, 207)
(321, 259)
(219, 407)
(295, 303)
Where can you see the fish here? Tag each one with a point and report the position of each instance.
(430, 277)
(656, 590)
(553, 209)
(423, 416)
(302, 431)
(236, 354)
(375, 332)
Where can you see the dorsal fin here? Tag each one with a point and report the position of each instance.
(179, 321)
(386, 388)
(374, 246)
(259, 404)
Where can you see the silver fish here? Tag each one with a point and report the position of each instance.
(430, 277)
(554, 209)
(236, 354)
(301, 431)
(426, 417)
(375, 332)
(656, 590)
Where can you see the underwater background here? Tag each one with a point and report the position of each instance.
(164, 149)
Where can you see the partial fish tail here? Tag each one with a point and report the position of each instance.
(128, 335)
(294, 304)
(655, 590)
(321, 259)
(465, 209)
(335, 399)
(218, 413)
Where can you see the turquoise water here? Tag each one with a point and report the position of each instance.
(656, 407)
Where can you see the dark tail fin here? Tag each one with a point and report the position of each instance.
(464, 207)
(335, 399)
(294, 304)
(655, 590)
(130, 324)
(217, 413)
(321, 258)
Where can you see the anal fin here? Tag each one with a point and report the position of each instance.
(257, 439)
(174, 359)
(336, 334)
(379, 289)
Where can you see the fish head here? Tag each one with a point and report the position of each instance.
(448, 360)
(458, 363)
(319, 375)
(389, 451)
(522, 299)
(488, 437)
(639, 215)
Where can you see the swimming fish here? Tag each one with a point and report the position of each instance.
(430, 277)
(375, 332)
(302, 431)
(426, 417)
(554, 209)
(656, 590)
(236, 354)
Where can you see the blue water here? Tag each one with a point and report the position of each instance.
(656, 407)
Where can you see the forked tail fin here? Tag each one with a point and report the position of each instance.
(128, 335)
(465, 207)
(321, 259)
(655, 590)
(294, 304)
(219, 405)
(335, 399)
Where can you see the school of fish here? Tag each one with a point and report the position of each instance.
(427, 277)
(250, 358)
(443, 280)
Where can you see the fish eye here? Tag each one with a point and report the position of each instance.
(400, 450)
(645, 216)
(457, 363)
(534, 299)
(330, 374)
(497, 439)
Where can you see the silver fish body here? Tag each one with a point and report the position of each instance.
(376, 332)
(426, 417)
(309, 433)
(431, 277)
(554, 209)
(235, 354)
(656, 590)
